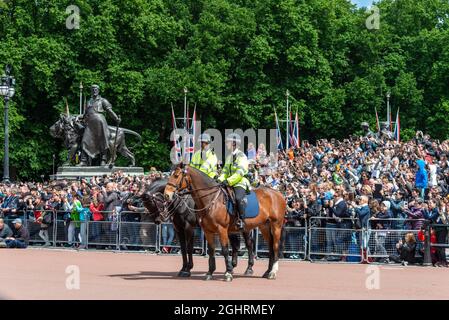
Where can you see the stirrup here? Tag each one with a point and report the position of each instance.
(240, 224)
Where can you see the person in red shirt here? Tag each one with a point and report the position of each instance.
(433, 240)
(96, 208)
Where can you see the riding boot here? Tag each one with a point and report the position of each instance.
(241, 214)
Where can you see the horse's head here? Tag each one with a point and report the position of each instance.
(178, 181)
(154, 202)
(56, 130)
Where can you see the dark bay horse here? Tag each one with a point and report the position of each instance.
(181, 211)
(208, 196)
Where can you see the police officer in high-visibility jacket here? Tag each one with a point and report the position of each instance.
(205, 159)
(234, 171)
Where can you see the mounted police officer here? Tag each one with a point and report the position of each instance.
(205, 159)
(234, 171)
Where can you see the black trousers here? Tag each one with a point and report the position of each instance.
(240, 194)
(441, 234)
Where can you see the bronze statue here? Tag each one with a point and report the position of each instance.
(385, 132)
(95, 141)
(366, 130)
(90, 135)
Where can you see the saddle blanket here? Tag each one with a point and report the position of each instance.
(252, 206)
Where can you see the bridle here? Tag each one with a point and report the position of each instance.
(190, 191)
(163, 209)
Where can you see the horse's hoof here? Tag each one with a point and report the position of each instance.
(249, 272)
(228, 277)
(271, 276)
(208, 277)
(184, 274)
(265, 275)
(234, 264)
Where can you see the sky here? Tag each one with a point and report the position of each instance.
(362, 3)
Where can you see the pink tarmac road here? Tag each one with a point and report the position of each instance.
(41, 274)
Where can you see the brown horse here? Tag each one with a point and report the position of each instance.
(214, 218)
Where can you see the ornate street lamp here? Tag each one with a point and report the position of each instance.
(7, 90)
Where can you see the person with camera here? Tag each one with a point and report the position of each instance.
(331, 227)
(293, 219)
(111, 201)
(381, 223)
(406, 250)
(133, 208)
(43, 214)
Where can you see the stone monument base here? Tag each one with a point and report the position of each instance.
(74, 173)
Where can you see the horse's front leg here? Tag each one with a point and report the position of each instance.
(276, 236)
(249, 246)
(224, 241)
(189, 233)
(211, 251)
(184, 272)
(235, 244)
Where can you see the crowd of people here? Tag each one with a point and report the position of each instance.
(366, 182)
(362, 182)
(72, 204)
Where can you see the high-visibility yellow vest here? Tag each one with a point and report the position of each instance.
(235, 169)
(206, 163)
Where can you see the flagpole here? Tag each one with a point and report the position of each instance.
(287, 93)
(388, 110)
(377, 120)
(81, 98)
(185, 108)
(278, 132)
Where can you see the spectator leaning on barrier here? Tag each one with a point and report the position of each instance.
(382, 223)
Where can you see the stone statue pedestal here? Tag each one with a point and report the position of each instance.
(74, 173)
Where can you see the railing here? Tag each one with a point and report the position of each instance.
(317, 239)
(334, 240)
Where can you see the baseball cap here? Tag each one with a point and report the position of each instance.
(17, 220)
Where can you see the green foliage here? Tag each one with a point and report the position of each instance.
(236, 57)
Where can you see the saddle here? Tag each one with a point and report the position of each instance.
(252, 203)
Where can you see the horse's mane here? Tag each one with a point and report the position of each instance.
(205, 176)
(158, 185)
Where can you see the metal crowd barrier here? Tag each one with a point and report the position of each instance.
(335, 240)
(293, 244)
(168, 239)
(319, 238)
(242, 245)
(382, 242)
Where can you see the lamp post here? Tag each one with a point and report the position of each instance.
(7, 90)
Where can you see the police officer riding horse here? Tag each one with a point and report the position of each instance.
(234, 175)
